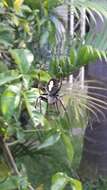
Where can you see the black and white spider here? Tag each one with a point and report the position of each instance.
(51, 97)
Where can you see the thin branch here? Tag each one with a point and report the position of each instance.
(11, 161)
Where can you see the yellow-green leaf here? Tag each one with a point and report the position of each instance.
(17, 4)
(59, 181)
(75, 184)
(5, 3)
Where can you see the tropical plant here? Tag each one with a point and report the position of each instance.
(25, 34)
(17, 98)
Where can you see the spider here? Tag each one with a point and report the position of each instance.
(51, 97)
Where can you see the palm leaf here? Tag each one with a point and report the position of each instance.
(97, 40)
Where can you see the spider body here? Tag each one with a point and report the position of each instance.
(51, 97)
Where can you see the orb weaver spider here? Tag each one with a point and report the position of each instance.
(51, 97)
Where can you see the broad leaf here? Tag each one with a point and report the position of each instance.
(9, 101)
(59, 181)
(9, 76)
(75, 184)
(40, 75)
(50, 141)
(68, 146)
(10, 183)
(14, 182)
(6, 35)
(30, 98)
(23, 58)
(3, 67)
(44, 76)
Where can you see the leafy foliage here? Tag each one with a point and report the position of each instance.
(82, 56)
(60, 180)
(29, 38)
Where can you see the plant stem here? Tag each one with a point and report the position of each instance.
(10, 159)
(82, 28)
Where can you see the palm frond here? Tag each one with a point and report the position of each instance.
(98, 40)
(81, 56)
(91, 98)
(99, 7)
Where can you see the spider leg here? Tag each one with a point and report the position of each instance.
(40, 106)
(37, 101)
(47, 106)
(63, 107)
(44, 94)
(61, 103)
(56, 104)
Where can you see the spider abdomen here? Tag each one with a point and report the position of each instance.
(51, 100)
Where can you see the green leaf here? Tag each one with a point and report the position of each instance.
(9, 76)
(9, 101)
(73, 56)
(4, 170)
(59, 181)
(26, 8)
(44, 38)
(44, 76)
(30, 97)
(14, 182)
(11, 183)
(20, 135)
(26, 80)
(50, 141)
(23, 58)
(6, 35)
(7, 3)
(75, 184)
(40, 74)
(82, 55)
(68, 146)
(3, 67)
(17, 4)
(15, 20)
(87, 54)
